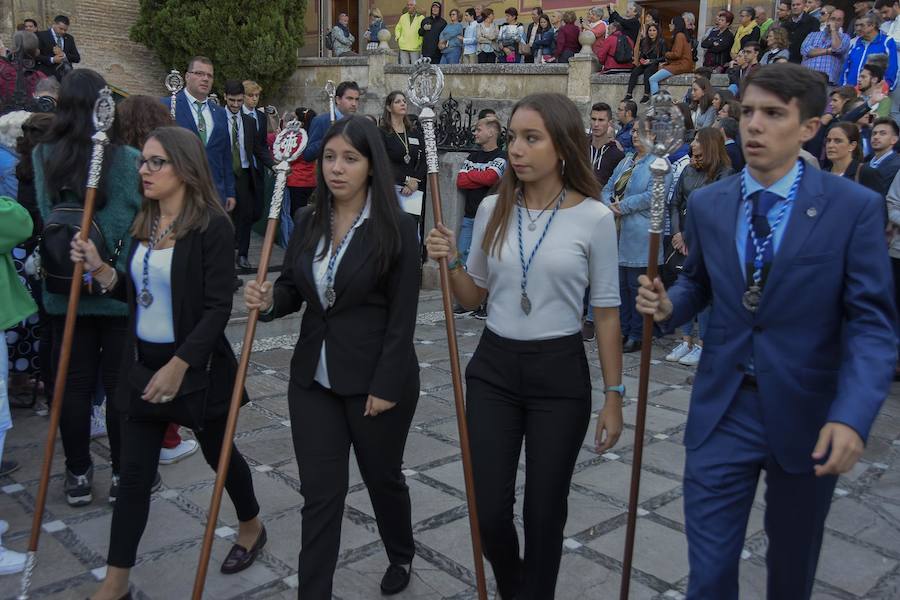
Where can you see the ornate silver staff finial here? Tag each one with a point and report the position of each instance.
(104, 115)
(330, 90)
(174, 83)
(661, 131)
(424, 88)
(288, 146)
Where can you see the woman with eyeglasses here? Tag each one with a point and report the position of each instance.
(177, 364)
(61, 164)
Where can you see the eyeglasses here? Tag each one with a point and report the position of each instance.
(202, 74)
(154, 163)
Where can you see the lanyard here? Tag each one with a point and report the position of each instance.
(330, 295)
(526, 302)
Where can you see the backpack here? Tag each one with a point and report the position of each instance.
(329, 40)
(624, 54)
(56, 268)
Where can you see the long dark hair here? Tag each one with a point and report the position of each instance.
(566, 129)
(715, 158)
(384, 214)
(187, 157)
(706, 99)
(66, 166)
(136, 117)
(851, 130)
(680, 27)
(649, 46)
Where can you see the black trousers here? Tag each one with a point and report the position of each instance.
(487, 57)
(244, 210)
(141, 440)
(97, 347)
(539, 391)
(646, 71)
(324, 425)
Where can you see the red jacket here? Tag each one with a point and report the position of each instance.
(302, 173)
(606, 53)
(567, 39)
(8, 80)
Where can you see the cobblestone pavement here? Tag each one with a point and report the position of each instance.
(860, 558)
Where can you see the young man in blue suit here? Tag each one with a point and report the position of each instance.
(346, 102)
(194, 111)
(800, 349)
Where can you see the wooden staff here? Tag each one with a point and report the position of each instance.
(104, 113)
(288, 147)
(425, 86)
(329, 89)
(174, 83)
(640, 36)
(661, 131)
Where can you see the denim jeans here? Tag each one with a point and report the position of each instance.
(656, 78)
(5, 418)
(631, 320)
(451, 57)
(687, 330)
(465, 238)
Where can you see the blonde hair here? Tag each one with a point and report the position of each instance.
(251, 87)
(376, 12)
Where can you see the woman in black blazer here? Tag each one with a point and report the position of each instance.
(354, 373)
(178, 365)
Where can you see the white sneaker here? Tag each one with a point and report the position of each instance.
(692, 358)
(170, 456)
(98, 422)
(678, 352)
(11, 561)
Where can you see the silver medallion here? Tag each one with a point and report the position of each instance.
(145, 298)
(751, 298)
(526, 304)
(407, 158)
(811, 212)
(330, 296)
(532, 226)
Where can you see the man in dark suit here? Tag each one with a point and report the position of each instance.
(57, 50)
(245, 149)
(878, 172)
(252, 92)
(346, 102)
(800, 349)
(194, 111)
(799, 25)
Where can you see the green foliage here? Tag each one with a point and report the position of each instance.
(246, 39)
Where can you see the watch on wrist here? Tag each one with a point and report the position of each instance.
(615, 388)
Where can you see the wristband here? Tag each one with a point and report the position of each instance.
(615, 388)
(454, 264)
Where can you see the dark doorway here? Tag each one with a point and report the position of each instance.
(352, 10)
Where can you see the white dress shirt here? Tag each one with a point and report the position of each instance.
(320, 273)
(236, 118)
(207, 114)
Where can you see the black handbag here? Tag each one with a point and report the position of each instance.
(188, 404)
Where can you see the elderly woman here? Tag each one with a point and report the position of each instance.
(25, 50)
(567, 39)
(778, 46)
(628, 195)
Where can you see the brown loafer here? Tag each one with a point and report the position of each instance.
(239, 558)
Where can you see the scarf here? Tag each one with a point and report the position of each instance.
(742, 32)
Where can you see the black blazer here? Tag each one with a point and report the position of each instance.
(879, 179)
(256, 145)
(369, 330)
(45, 52)
(202, 294)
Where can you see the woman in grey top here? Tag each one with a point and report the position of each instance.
(536, 246)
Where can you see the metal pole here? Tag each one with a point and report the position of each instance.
(661, 131)
(104, 113)
(329, 89)
(174, 83)
(425, 86)
(288, 147)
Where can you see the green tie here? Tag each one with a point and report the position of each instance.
(201, 121)
(235, 149)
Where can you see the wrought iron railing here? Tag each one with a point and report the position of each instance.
(456, 129)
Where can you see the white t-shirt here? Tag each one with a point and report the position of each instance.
(579, 250)
(155, 323)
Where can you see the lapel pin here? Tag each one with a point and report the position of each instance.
(811, 212)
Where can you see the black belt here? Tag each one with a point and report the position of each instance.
(749, 383)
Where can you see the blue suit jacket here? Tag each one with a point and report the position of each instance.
(317, 130)
(822, 341)
(218, 147)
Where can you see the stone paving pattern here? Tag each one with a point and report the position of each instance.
(860, 557)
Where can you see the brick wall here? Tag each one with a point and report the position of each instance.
(100, 28)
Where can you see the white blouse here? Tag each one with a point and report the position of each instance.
(155, 323)
(579, 250)
(320, 273)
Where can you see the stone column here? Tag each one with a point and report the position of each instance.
(578, 87)
(378, 59)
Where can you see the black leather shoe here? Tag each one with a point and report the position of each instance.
(645, 99)
(239, 558)
(631, 346)
(244, 263)
(395, 579)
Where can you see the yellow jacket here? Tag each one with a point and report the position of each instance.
(407, 32)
